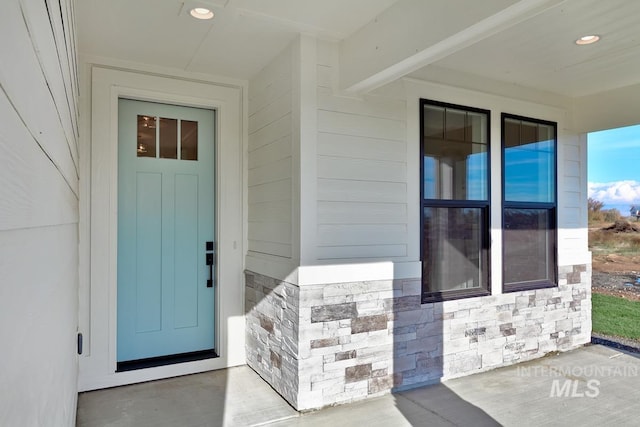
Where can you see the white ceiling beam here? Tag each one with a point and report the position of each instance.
(415, 33)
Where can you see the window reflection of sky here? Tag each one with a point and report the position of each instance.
(529, 172)
(429, 177)
(477, 176)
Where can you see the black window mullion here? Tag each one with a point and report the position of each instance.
(529, 205)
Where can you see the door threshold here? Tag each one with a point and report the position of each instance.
(172, 359)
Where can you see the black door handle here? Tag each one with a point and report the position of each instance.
(210, 264)
(209, 261)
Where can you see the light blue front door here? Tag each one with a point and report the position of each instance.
(165, 219)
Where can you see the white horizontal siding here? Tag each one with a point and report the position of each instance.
(338, 253)
(361, 170)
(270, 209)
(33, 192)
(280, 107)
(361, 191)
(49, 46)
(324, 76)
(571, 168)
(362, 234)
(361, 213)
(572, 199)
(270, 166)
(571, 215)
(384, 108)
(571, 191)
(279, 128)
(572, 183)
(355, 147)
(271, 248)
(264, 92)
(572, 196)
(360, 125)
(571, 151)
(24, 75)
(278, 191)
(270, 153)
(275, 171)
(38, 212)
(276, 232)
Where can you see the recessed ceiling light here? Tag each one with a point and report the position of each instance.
(587, 39)
(201, 13)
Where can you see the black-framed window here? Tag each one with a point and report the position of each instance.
(455, 192)
(529, 208)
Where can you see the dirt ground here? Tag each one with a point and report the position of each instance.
(617, 284)
(614, 273)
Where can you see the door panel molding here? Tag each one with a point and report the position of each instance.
(164, 305)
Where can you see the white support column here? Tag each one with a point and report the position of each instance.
(305, 152)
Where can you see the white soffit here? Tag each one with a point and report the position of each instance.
(144, 31)
(541, 53)
(529, 43)
(243, 36)
(413, 33)
(330, 18)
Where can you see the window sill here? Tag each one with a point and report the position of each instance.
(529, 286)
(431, 297)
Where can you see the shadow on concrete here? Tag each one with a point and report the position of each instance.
(438, 405)
(226, 397)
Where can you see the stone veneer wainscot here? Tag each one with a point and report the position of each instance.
(336, 343)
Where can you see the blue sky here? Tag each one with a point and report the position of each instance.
(614, 167)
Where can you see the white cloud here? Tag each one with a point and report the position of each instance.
(618, 192)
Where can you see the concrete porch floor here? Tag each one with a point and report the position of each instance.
(601, 387)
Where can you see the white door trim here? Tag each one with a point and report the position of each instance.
(98, 361)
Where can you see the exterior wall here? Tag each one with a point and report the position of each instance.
(572, 194)
(271, 306)
(364, 339)
(349, 324)
(270, 181)
(572, 168)
(38, 214)
(362, 171)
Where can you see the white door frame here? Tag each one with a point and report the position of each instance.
(98, 361)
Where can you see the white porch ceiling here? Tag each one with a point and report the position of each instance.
(242, 38)
(540, 52)
(528, 43)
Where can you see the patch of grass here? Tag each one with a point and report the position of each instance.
(602, 241)
(616, 316)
